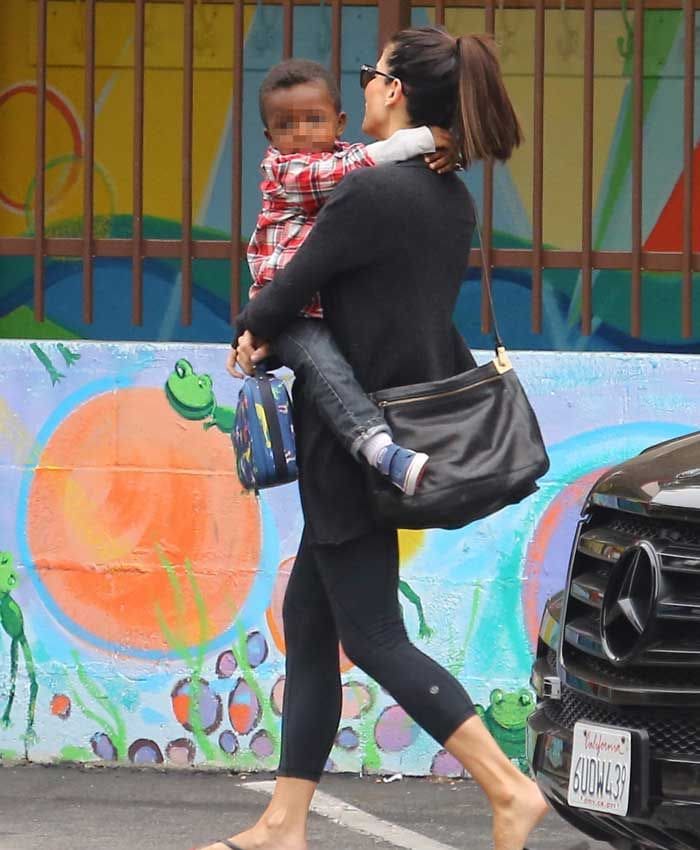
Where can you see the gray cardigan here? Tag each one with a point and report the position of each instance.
(388, 254)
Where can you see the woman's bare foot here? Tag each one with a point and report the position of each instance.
(517, 815)
(283, 823)
(271, 832)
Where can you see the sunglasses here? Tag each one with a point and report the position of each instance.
(369, 72)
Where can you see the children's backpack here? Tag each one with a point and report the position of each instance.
(263, 433)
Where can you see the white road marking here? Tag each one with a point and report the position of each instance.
(353, 818)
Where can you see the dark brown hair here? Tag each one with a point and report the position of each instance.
(296, 72)
(456, 83)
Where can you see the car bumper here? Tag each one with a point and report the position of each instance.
(667, 818)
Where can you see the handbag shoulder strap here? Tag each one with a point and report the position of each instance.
(486, 271)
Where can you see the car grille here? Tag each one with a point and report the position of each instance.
(671, 732)
(672, 651)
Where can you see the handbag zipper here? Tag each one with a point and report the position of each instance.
(439, 395)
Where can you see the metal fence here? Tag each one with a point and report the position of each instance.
(392, 15)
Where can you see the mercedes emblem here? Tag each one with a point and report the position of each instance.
(629, 605)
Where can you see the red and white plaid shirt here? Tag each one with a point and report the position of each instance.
(295, 188)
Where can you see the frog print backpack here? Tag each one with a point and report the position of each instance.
(263, 433)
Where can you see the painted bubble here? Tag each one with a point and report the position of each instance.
(228, 742)
(347, 738)
(395, 731)
(445, 764)
(277, 696)
(210, 710)
(61, 706)
(144, 751)
(356, 700)
(257, 649)
(261, 744)
(243, 708)
(226, 665)
(181, 752)
(103, 747)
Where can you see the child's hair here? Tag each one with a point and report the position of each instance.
(456, 83)
(296, 72)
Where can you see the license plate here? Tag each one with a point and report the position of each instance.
(601, 762)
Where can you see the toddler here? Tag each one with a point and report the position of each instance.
(301, 112)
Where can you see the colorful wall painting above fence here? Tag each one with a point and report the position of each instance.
(141, 589)
(263, 24)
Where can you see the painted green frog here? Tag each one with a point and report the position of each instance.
(12, 623)
(192, 397)
(506, 719)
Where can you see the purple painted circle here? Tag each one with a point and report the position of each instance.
(103, 747)
(357, 699)
(261, 744)
(257, 649)
(277, 696)
(180, 752)
(395, 731)
(226, 665)
(445, 764)
(210, 710)
(228, 742)
(243, 708)
(144, 751)
(347, 738)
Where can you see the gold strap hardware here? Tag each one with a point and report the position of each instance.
(502, 361)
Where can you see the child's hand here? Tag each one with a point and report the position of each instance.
(446, 157)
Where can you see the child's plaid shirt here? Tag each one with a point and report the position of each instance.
(294, 189)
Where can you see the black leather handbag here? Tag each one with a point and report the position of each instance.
(485, 446)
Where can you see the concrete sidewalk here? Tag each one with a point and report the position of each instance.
(61, 808)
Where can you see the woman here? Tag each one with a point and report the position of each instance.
(388, 254)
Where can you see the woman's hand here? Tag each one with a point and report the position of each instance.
(446, 157)
(231, 361)
(250, 351)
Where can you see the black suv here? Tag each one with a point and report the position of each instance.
(615, 741)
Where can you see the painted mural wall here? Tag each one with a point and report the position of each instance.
(662, 196)
(141, 589)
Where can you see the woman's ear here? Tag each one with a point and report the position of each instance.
(394, 93)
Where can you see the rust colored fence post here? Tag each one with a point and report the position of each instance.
(587, 200)
(237, 154)
(187, 108)
(40, 191)
(337, 40)
(440, 13)
(637, 162)
(487, 212)
(89, 162)
(538, 168)
(394, 15)
(288, 29)
(688, 155)
(137, 190)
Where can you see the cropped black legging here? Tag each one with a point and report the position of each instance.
(350, 592)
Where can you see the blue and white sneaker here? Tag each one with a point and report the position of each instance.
(403, 467)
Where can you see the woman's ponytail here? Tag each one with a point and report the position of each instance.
(456, 84)
(486, 124)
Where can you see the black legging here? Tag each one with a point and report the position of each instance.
(350, 592)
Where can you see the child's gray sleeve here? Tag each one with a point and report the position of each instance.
(404, 144)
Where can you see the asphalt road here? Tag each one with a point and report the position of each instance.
(61, 808)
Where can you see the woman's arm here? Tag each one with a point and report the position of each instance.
(349, 234)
